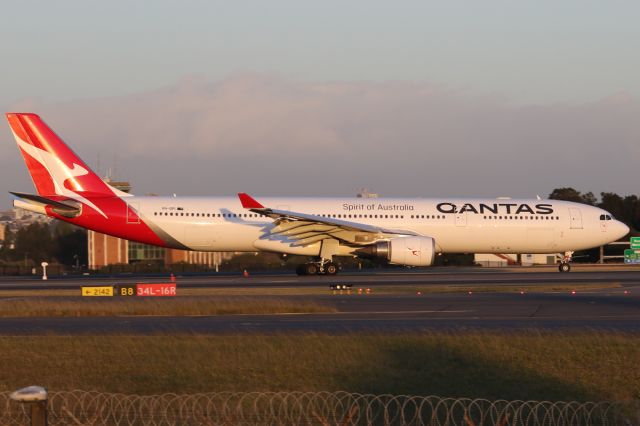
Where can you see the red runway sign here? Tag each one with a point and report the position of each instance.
(164, 289)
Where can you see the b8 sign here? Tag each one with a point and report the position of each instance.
(126, 290)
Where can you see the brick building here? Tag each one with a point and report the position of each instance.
(107, 250)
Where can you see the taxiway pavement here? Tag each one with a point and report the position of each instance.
(616, 308)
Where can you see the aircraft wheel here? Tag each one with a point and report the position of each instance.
(564, 267)
(311, 269)
(331, 269)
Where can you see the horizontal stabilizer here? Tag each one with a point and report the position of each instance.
(67, 209)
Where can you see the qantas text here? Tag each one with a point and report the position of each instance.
(501, 208)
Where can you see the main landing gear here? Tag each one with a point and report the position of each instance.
(565, 265)
(323, 267)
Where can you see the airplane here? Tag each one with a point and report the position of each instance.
(401, 231)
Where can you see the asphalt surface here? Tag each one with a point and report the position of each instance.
(615, 309)
(437, 276)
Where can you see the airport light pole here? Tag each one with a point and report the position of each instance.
(44, 270)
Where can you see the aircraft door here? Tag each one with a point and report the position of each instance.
(132, 215)
(576, 218)
(461, 219)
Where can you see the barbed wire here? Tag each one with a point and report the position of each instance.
(312, 408)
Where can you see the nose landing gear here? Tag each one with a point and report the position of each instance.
(565, 265)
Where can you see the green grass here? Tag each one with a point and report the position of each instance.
(523, 365)
(81, 307)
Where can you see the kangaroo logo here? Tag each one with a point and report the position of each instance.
(59, 173)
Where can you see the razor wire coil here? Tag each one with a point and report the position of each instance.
(92, 408)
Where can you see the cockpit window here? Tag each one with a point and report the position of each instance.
(606, 217)
(602, 217)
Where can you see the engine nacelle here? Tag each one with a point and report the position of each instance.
(411, 251)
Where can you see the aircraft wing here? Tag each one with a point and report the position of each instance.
(307, 229)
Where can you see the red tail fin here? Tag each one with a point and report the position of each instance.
(53, 166)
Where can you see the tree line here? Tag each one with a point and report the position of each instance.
(55, 242)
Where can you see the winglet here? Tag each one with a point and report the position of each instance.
(248, 202)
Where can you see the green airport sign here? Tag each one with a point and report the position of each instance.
(635, 242)
(632, 256)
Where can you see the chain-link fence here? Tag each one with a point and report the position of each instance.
(306, 408)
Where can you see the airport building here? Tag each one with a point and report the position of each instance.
(499, 260)
(104, 250)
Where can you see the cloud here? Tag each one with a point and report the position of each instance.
(277, 136)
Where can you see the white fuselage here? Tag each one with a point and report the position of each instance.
(456, 225)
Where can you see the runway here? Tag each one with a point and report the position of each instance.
(614, 309)
(437, 276)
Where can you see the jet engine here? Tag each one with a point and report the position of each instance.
(410, 251)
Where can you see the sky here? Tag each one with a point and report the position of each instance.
(409, 98)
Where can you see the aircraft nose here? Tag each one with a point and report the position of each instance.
(621, 229)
